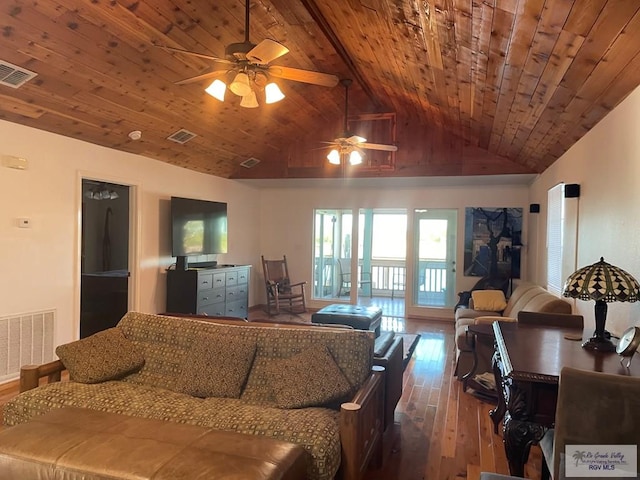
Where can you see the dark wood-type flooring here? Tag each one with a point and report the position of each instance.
(444, 433)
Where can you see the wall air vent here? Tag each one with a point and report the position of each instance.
(181, 136)
(250, 162)
(14, 76)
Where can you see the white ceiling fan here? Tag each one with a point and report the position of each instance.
(249, 66)
(351, 145)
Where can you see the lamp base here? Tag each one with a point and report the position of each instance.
(599, 344)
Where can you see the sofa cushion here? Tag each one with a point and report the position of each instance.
(489, 300)
(217, 366)
(309, 379)
(103, 356)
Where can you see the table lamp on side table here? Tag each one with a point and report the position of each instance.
(604, 283)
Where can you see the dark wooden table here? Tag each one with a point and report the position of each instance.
(475, 334)
(527, 364)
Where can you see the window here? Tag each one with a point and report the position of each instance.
(555, 221)
(562, 237)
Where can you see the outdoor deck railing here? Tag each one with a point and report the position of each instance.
(388, 277)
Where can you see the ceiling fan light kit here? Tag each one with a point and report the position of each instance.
(249, 64)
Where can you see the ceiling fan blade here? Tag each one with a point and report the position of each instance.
(266, 52)
(305, 76)
(378, 146)
(201, 55)
(356, 139)
(204, 76)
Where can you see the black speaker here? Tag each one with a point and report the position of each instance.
(571, 190)
(534, 208)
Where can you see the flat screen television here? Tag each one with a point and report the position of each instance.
(198, 227)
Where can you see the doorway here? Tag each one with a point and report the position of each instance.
(104, 256)
(435, 260)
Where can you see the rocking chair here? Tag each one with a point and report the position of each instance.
(281, 293)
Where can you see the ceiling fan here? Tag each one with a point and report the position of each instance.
(349, 144)
(249, 66)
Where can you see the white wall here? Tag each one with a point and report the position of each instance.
(287, 217)
(39, 266)
(606, 164)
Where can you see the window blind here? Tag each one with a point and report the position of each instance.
(555, 238)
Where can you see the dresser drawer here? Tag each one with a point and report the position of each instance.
(215, 310)
(236, 293)
(231, 278)
(236, 309)
(205, 281)
(219, 280)
(243, 276)
(208, 297)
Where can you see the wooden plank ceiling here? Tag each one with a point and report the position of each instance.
(477, 86)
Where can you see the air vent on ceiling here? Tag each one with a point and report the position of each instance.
(250, 162)
(14, 76)
(181, 136)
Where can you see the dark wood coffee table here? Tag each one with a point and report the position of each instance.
(527, 364)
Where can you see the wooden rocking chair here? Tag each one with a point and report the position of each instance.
(281, 293)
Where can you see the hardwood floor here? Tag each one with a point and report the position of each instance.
(445, 433)
(442, 433)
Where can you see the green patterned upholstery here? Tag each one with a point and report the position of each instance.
(153, 391)
(107, 355)
(308, 379)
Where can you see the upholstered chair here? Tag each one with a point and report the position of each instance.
(593, 409)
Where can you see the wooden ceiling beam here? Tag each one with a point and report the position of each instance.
(325, 27)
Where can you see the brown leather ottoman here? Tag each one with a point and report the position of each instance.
(76, 443)
(356, 316)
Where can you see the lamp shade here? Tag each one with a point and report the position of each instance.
(249, 101)
(355, 157)
(273, 93)
(240, 85)
(602, 281)
(217, 89)
(334, 157)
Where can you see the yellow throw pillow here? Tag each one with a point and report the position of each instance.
(489, 300)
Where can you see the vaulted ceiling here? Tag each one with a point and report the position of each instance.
(473, 86)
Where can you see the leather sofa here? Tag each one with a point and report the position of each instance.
(525, 297)
(341, 435)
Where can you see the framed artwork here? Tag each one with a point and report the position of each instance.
(492, 242)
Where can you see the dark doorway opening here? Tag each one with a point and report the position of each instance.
(104, 285)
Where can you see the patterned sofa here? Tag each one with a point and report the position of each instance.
(336, 435)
